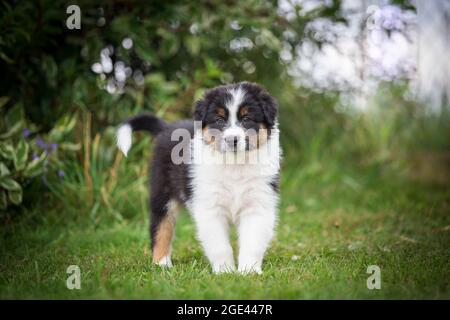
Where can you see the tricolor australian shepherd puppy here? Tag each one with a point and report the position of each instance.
(223, 166)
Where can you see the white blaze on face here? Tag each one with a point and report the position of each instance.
(234, 130)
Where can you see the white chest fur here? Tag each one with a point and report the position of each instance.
(233, 185)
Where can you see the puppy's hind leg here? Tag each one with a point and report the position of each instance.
(163, 218)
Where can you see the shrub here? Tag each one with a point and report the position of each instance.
(25, 154)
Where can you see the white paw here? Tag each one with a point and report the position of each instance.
(165, 262)
(223, 268)
(249, 269)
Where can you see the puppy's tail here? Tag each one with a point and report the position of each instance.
(144, 122)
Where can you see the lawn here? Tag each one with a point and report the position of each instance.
(333, 224)
(364, 125)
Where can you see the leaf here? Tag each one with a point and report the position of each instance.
(3, 100)
(63, 126)
(15, 196)
(170, 44)
(213, 70)
(3, 200)
(270, 40)
(147, 54)
(20, 160)
(50, 69)
(15, 115)
(154, 79)
(13, 130)
(193, 45)
(13, 121)
(35, 167)
(4, 171)
(7, 151)
(6, 58)
(70, 146)
(10, 184)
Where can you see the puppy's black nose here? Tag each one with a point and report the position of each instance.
(235, 141)
(232, 141)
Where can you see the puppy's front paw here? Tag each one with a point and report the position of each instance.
(249, 269)
(223, 268)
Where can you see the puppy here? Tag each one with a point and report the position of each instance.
(223, 166)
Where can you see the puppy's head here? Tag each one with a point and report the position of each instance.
(236, 117)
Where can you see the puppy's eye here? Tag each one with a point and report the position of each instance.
(220, 120)
(246, 119)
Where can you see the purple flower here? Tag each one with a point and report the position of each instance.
(26, 132)
(61, 173)
(54, 146)
(41, 143)
(35, 156)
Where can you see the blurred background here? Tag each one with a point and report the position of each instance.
(363, 88)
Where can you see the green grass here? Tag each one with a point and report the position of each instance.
(333, 224)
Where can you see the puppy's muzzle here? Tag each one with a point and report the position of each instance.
(232, 142)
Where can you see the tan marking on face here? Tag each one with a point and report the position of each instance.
(243, 111)
(262, 134)
(207, 137)
(221, 112)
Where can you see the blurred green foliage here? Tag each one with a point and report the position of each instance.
(178, 50)
(180, 47)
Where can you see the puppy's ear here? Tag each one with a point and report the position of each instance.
(270, 108)
(200, 111)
